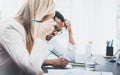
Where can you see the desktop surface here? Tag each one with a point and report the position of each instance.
(103, 66)
(107, 66)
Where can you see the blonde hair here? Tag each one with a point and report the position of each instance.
(33, 9)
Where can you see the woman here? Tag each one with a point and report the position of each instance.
(22, 41)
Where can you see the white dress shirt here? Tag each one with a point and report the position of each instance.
(14, 58)
(60, 46)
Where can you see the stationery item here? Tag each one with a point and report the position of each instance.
(54, 53)
(109, 51)
(109, 48)
(77, 64)
(76, 72)
(110, 43)
(97, 73)
(65, 72)
(69, 66)
(92, 73)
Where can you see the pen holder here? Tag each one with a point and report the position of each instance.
(109, 51)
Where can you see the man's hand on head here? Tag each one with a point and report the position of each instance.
(67, 25)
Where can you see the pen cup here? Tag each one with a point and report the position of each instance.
(109, 51)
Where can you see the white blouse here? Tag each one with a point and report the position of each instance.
(14, 58)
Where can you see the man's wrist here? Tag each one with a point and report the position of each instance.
(48, 62)
(51, 62)
(70, 32)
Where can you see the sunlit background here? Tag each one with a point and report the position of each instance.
(92, 20)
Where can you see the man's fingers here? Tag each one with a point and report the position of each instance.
(64, 61)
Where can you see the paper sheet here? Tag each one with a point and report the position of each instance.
(76, 72)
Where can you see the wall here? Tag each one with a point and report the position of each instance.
(93, 20)
(8, 8)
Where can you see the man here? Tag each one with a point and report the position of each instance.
(64, 51)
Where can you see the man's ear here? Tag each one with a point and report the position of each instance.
(64, 25)
(55, 18)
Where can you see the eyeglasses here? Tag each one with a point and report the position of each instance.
(56, 29)
(33, 20)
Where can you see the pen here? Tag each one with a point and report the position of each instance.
(112, 43)
(107, 42)
(54, 53)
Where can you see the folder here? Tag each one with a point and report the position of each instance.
(77, 64)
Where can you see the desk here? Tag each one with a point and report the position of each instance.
(107, 66)
(104, 66)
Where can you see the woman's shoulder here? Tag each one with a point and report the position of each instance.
(11, 27)
(10, 23)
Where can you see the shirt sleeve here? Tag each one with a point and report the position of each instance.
(63, 49)
(70, 52)
(15, 46)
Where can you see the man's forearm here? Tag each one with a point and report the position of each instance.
(58, 62)
(47, 62)
(71, 40)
